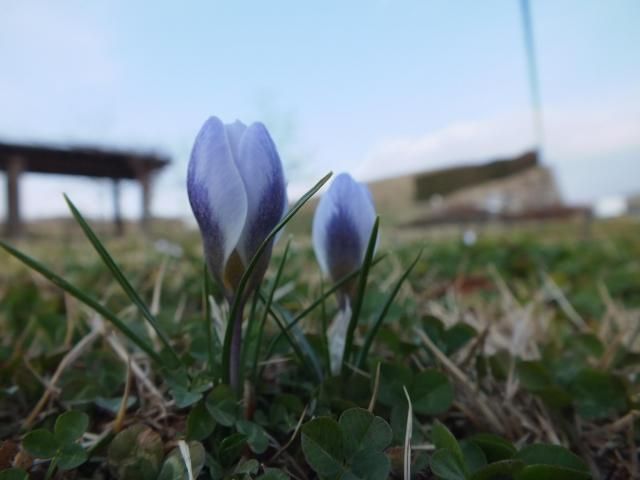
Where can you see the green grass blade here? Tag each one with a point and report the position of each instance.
(251, 331)
(298, 350)
(325, 294)
(362, 284)
(207, 318)
(267, 307)
(84, 298)
(239, 294)
(319, 301)
(121, 279)
(383, 313)
(325, 330)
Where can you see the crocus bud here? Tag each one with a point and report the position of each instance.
(238, 194)
(342, 226)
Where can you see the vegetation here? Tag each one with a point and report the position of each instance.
(516, 357)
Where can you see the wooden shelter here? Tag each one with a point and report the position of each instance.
(16, 159)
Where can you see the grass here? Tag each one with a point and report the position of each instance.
(529, 335)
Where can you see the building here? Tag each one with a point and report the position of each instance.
(18, 159)
(503, 189)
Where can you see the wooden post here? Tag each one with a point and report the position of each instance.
(117, 208)
(14, 169)
(145, 185)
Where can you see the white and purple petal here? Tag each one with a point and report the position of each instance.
(261, 170)
(342, 225)
(216, 192)
(235, 131)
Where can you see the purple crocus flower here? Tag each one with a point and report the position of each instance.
(342, 226)
(238, 194)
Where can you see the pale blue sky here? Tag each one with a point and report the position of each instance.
(374, 87)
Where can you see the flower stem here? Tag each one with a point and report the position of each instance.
(52, 467)
(236, 350)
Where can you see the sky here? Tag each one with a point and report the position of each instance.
(374, 87)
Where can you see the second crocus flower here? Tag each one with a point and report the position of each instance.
(342, 225)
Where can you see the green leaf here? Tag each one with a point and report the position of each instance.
(112, 404)
(70, 426)
(208, 324)
(216, 471)
(431, 392)
(434, 328)
(135, 453)
(442, 438)
(174, 467)
(184, 398)
(533, 375)
(457, 337)
(256, 436)
(40, 443)
(499, 470)
(200, 423)
(299, 344)
(250, 466)
(547, 454)
(273, 474)
(371, 334)
(248, 272)
(119, 276)
(318, 301)
(231, 448)
(555, 396)
(361, 430)
(71, 456)
(14, 474)
(494, 447)
(474, 457)
(323, 447)
(222, 405)
(79, 294)
(368, 464)
(392, 378)
(550, 472)
(446, 465)
(360, 292)
(598, 394)
(586, 344)
(267, 307)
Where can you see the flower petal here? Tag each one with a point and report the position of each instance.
(261, 170)
(342, 225)
(235, 131)
(216, 193)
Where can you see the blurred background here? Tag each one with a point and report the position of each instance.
(458, 112)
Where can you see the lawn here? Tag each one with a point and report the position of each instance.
(515, 357)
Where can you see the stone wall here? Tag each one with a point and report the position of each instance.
(532, 189)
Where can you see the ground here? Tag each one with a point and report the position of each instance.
(530, 335)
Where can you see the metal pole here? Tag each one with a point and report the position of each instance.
(532, 70)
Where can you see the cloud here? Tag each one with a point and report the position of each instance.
(573, 134)
(593, 150)
(460, 143)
